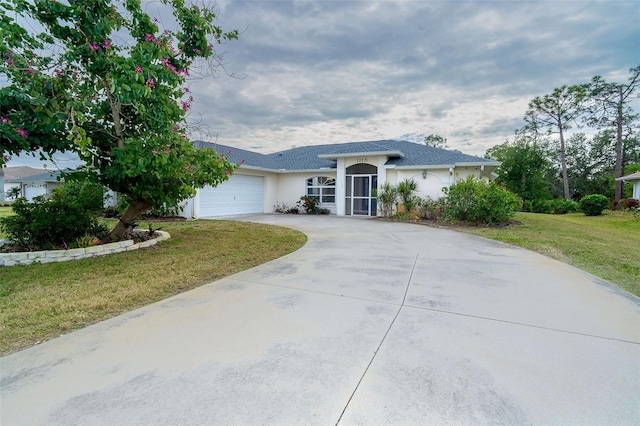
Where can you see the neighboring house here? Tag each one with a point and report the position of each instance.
(32, 182)
(635, 179)
(343, 177)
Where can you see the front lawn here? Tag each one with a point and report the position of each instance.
(607, 246)
(39, 302)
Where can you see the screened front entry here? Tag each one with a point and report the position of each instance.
(361, 187)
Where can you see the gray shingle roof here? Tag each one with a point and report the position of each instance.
(307, 157)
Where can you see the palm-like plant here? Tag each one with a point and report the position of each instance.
(405, 189)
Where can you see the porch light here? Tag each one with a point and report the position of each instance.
(424, 174)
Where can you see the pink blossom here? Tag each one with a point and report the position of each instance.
(28, 72)
(226, 172)
(167, 32)
(94, 47)
(155, 20)
(151, 83)
(197, 51)
(241, 161)
(174, 128)
(9, 61)
(169, 65)
(185, 105)
(138, 69)
(58, 73)
(186, 90)
(22, 132)
(154, 151)
(148, 37)
(107, 44)
(9, 53)
(4, 120)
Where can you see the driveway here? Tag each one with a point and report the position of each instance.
(370, 323)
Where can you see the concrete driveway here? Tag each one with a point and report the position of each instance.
(369, 323)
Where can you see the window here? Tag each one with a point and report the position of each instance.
(322, 188)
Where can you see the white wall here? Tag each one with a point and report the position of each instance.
(436, 179)
(292, 186)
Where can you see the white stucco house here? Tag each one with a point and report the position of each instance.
(31, 181)
(635, 179)
(343, 177)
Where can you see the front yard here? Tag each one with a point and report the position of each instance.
(39, 302)
(607, 246)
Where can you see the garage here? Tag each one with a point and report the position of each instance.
(32, 190)
(241, 194)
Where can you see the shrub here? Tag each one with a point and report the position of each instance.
(475, 201)
(594, 204)
(430, 209)
(284, 208)
(564, 206)
(308, 204)
(387, 195)
(405, 190)
(555, 206)
(53, 223)
(630, 204)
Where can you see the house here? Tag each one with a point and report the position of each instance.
(31, 181)
(342, 177)
(635, 178)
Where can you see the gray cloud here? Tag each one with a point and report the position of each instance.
(337, 71)
(333, 71)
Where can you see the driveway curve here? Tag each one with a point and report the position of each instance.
(370, 323)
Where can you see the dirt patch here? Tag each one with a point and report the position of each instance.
(457, 225)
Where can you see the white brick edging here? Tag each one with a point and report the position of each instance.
(48, 256)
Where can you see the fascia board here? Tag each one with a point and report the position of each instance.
(362, 154)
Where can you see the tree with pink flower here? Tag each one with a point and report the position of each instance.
(106, 81)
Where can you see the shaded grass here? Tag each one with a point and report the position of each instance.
(607, 246)
(39, 302)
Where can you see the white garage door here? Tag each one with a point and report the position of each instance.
(33, 190)
(241, 194)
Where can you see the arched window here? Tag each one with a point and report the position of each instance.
(322, 188)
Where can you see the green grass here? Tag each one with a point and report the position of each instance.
(39, 302)
(607, 246)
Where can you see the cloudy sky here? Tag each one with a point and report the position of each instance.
(336, 71)
(315, 72)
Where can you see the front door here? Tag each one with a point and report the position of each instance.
(360, 190)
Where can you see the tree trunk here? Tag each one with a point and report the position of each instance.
(126, 222)
(563, 162)
(618, 169)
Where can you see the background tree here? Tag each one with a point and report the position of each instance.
(524, 169)
(554, 113)
(611, 109)
(589, 165)
(103, 79)
(436, 141)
